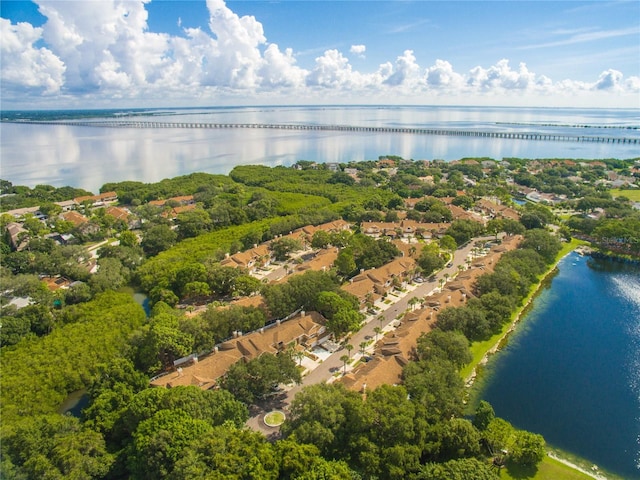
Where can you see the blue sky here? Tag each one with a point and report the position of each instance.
(70, 54)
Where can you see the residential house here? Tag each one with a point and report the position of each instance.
(74, 217)
(18, 236)
(98, 200)
(251, 260)
(305, 329)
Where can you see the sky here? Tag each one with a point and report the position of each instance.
(197, 53)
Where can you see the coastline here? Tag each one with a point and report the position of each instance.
(592, 474)
(510, 327)
(497, 344)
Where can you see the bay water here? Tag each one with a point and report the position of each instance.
(88, 157)
(571, 371)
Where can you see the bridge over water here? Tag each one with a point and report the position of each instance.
(345, 128)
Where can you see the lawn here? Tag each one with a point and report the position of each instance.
(548, 469)
(633, 195)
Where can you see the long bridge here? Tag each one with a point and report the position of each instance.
(343, 128)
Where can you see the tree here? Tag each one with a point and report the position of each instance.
(246, 285)
(345, 320)
(430, 259)
(56, 446)
(377, 331)
(253, 380)
(227, 452)
(128, 239)
(459, 469)
(542, 242)
(344, 359)
(327, 416)
(446, 345)
(464, 230)
(512, 227)
(437, 386)
(160, 343)
(348, 347)
(159, 442)
(157, 239)
(193, 223)
(483, 416)
(470, 321)
(282, 247)
(528, 448)
(345, 262)
(320, 239)
(458, 438)
(447, 242)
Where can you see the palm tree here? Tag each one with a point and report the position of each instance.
(413, 301)
(344, 359)
(380, 320)
(348, 347)
(363, 345)
(377, 331)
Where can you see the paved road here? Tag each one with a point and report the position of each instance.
(325, 370)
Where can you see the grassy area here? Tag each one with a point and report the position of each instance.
(633, 195)
(273, 419)
(548, 469)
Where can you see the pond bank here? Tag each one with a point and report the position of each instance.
(484, 350)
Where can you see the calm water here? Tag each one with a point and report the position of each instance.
(88, 157)
(572, 370)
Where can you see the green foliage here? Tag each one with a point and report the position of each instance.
(129, 191)
(160, 441)
(253, 380)
(542, 242)
(430, 259)
(38, 373)
(451, 345)
(160, 342)
(283, 247)
(483, 416)
(436, 385)
(41, 194)
(325, 416)
(56, 447)
(158, 238)
(301, 291)
(458, 439)
(460, 469)
(341, 314)
(471, 322)
(227, 453)
(464, 230)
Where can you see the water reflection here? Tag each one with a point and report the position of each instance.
(89, 157)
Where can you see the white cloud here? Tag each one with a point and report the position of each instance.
(442, 75)
(23, 65)
(103, 51)
(358, 50)
(406, 70)
(609, 80)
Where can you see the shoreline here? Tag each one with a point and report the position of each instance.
(499, 343)
(592, 474)
(496, 347)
